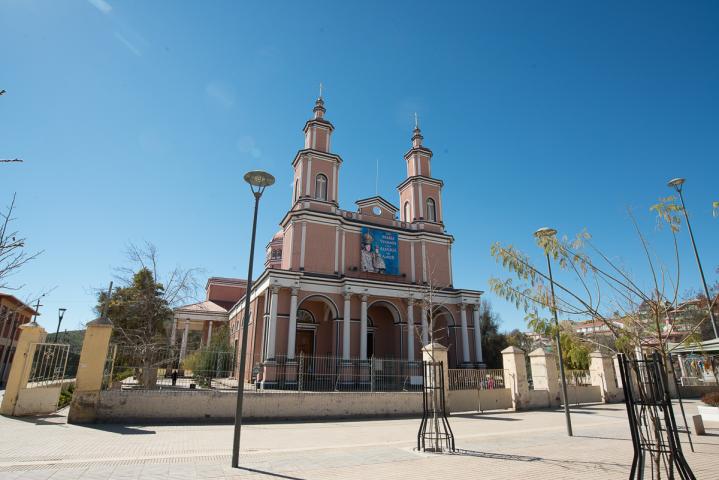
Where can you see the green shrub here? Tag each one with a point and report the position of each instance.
(122, 374)
(66, 396)
(711, 399)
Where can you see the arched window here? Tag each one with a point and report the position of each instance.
(431, 210)
(406, 212)
(297, 189)
(304, 316)
(321, 187)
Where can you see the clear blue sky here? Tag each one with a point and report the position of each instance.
(137, 120)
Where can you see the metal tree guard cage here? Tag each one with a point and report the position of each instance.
(651, 419)
(435, 434)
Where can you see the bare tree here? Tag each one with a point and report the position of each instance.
(12, 248)
(180, 285)
(141, 310)
(436, 430)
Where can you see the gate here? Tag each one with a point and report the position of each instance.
(36, 379)
(49, 362)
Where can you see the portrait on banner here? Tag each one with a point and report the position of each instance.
(380, 252)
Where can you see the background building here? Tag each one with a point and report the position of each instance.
(13, 313)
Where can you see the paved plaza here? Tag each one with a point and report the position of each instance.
(492, 445)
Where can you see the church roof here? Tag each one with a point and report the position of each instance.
(202, 307)
(378, 201)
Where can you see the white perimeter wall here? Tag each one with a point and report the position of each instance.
(165, 405)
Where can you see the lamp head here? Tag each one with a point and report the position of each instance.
(545, 232)
(676, 183)
(61, 312)
(258, 181)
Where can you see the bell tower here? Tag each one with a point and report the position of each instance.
(420, 195)
(316, 170)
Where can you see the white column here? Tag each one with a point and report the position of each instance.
(410, 329)
(173, 335)
(183, 345)
(209, 333)
(477, 335)
(293, 325)
(425, 328)
(272, 324)
(363, 329)
(465, 334)
(346, 328)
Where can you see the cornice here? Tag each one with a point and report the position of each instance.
(337, 218)
(316, 153)
(420, 178)
(420, 149)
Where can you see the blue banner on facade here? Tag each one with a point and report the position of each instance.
(380, 252)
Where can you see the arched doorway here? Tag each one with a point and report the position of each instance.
(442, 330)
(316, 316)
(384, 335)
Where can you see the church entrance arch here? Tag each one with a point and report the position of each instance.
(384, 339)
(443, 331)
(315, 319)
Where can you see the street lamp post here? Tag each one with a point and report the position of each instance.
(550, 232)
(258, 181)
(676, 184)
(60, 315)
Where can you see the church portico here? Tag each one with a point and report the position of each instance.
(356, 319)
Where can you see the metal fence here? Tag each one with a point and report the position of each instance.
(137, 367)
(578, 378)
(475, 379)
(326, 373)
(49, 361)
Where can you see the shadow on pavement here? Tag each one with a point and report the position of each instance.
(497, 456)
(120, 429)
(603, 438)
(52, 419)
(485, 417)
(278, 475)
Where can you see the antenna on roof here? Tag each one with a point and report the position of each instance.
(376, 178)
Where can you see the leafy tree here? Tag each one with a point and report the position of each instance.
(493, 342)
(141, 317)
(589, 284)
(138, 311)
(214, 361)
(575, 352)
(519, 339)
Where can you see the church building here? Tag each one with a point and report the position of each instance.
(352, 284)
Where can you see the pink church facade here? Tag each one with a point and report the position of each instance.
(351, 284)
(355, 284)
